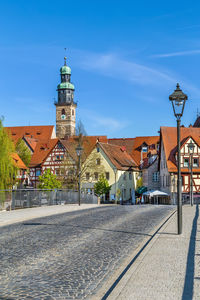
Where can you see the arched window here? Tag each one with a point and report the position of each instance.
(63, 111)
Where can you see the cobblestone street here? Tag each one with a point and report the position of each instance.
(69, 256)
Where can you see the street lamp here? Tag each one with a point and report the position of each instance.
(191, 151)
(79, 150)
(115, 171)
(178, 99)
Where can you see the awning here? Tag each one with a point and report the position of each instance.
(141, 190)
(155, 193)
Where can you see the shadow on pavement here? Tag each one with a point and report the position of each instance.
(87, 227)
(189, 276)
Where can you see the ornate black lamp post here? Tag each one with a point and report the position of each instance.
(191, 151)
(178, 99)
(79, 150)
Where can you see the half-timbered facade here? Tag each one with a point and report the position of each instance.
(168, 161)
(47, 155)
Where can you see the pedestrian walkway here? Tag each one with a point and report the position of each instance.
(21, 215)
(169, 267)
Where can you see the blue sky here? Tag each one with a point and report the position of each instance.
(126, 58)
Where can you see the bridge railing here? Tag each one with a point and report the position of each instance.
(24, 198)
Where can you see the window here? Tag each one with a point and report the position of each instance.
(97, 149)
(130, 175)
(63, 112)
(107, 175)
(124, 175)
(195, 162)
(96, 176)
(155, 177)
(72, 112)
(144, 149)
(38, 172)
(62, 157)
(57, 172)
(186, 162)
(57, 157)
(87, 176)
(60, 146)
(98, 161)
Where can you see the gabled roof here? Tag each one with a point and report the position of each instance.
(133, 146)
(31, 142)
(18, 162)
(87, 143)
(118, 156)
(39, 133)
(41, 152)
(169, 139)
(43, 149)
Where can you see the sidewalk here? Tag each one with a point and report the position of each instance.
(169, 267)
(21, 215)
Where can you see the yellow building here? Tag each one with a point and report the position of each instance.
(116, 165)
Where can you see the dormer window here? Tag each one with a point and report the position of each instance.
(144, 148)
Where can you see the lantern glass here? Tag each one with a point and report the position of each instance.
(178, 99)
(79, 150)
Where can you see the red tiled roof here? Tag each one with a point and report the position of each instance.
(31, 142)
(18, 162)
(88, 143)
(118, 156)
(133, 146)
(169, 138)
(42, 150)
(40, 133)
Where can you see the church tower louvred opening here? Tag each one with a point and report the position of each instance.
(65, 105)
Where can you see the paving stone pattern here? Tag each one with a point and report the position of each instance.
(68, 256)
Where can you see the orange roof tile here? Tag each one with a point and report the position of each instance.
(40, 133)
(88, 144)
(133, 146)
(18, 162)
(169, 138)
(42, 150)
(31, 142)
(118, 156)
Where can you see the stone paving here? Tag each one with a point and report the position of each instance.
(70, 255)
(169, 267)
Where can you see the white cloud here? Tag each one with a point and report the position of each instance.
(106, 123)
(112, 65)
(180, 53)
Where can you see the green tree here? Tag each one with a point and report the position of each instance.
(7, 168)
(23, 152)
(102, 186)
(49, 181)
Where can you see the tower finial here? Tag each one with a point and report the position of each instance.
(65, 58)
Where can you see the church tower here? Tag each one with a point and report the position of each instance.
(65, 106)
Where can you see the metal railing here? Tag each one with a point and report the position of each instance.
(24, 198)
